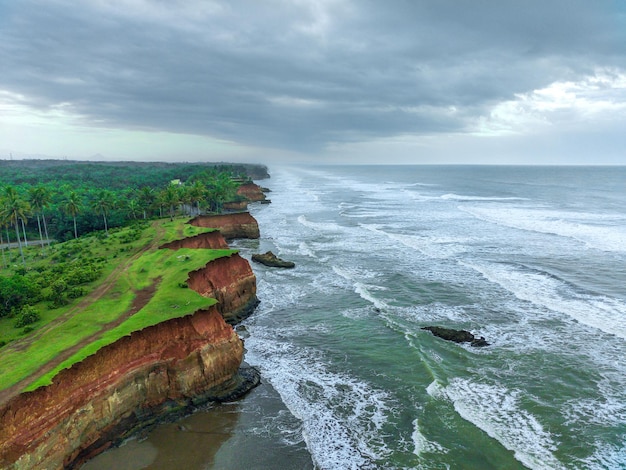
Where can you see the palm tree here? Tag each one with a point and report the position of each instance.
(133, 208)
(2, 225)
(147, 199)
(197, 191)
(171, 198)
(102, 204)
(14, 208)
(221, 189)
(39, 199)
(72, 206)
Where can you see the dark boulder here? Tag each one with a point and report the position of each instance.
(270, 259)
(457, 336)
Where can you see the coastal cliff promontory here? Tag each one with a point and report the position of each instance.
(237, 225)
(130, 384)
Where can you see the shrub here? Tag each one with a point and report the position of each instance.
(27, 316)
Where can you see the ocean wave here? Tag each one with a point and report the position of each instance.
(605, 232)
(607, 456)
(342, 416)
(597, 311)
(496, 410)
(438, 247)
(320, 226)
(459, 197)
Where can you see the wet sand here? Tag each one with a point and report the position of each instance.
(256, 432)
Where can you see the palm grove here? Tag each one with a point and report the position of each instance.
(66, 203)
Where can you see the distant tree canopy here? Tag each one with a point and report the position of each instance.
(63, 200)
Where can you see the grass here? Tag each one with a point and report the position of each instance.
(170, 300)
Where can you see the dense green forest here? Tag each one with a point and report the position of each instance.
(44, 202)
(52, 199)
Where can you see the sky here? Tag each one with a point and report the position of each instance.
(315, 81)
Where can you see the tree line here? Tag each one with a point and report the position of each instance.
(62, 210)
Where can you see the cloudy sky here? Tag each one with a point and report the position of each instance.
(346, 81)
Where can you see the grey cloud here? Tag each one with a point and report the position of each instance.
(291, 75)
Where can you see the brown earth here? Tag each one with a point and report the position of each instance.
(209, 240)
(130, 384)
(251, 191)
(92, 297)
(230, 281)
(238, 225)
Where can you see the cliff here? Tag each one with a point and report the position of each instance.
(208, 240)
(251, 191)
(129, 385)
(230, 281)
(239, 225)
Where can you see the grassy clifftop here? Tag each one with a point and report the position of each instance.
(138, 285)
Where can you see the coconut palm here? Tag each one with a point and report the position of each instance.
(2, 225)
(14, 208)
(103, 204)
(72, 206)
(170, 197)
(196, 192)
(39, 199)
(147, 199)
(133, 207)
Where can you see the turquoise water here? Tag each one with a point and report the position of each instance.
(533, 259)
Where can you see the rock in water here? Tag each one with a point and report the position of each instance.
(270, 259)
(457, 336)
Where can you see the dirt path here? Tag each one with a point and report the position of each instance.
(142, 297)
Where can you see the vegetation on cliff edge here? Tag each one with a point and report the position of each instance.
(121, 298)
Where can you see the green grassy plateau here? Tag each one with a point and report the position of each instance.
(139, 285)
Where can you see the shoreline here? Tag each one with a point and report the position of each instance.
(154, 374)
(217, 436)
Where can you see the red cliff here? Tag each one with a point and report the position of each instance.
(239, 225)
(251, 191)
(129, 385)
(208, 240)
(230, 281)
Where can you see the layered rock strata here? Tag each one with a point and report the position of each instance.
(158, 372)
(208, 240)
(251, 191)
(239, 225)
(230, 281)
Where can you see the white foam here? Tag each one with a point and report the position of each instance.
(320, 226)
(436, 247)
(342, 416)
(496, 411)
(364, 290)
(601, 312)
(606, 456)
(420, 443)
(457, 197)
(601, 231)
(305, 249)
(364, 293)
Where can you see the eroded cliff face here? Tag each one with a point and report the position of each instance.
(121, 387)
(127, 386)
(209, 240)
(251, 191)
(230, 281)
(240, 225)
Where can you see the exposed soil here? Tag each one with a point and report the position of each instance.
(142, 297)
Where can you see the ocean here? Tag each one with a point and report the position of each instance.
(531, 258)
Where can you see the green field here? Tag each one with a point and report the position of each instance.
(129, 262)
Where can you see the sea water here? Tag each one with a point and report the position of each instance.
(531, 258)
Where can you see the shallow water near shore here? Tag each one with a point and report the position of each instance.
(531, 258)
(255, 433)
